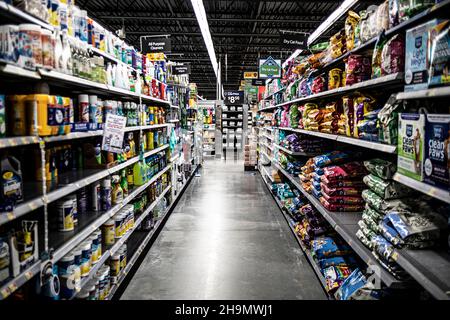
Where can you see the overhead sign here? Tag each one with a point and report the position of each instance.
(233, 97)
(269, 68)
(294, 41)
(258, 82)
(155, 45)
(181, 69)
(250, 75)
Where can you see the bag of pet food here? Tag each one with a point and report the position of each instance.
(351, 22)
(341, 207)
(386, 189)
(393, 55)
(388, 120)
(335, 276)
(343, 199)
(348, 171)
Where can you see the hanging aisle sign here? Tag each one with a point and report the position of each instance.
(269, 68)
(294, 41)
(233, 97)
(180, 69)
(258, 82)
(150, 44)
(113, 133)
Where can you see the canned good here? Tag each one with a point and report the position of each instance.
(86, 253)
(108, 233)
(114, 263)
(68, 276)
(65, 211)
(93, 290)
(94, 249)
(123, 257)
(118, 226)
(73, 197)
(98, 234)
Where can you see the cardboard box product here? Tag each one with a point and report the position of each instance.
(440, 54)
(410, 145)
(437, 151)
(417, 56)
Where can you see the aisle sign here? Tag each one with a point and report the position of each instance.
(294, 41)
(155, 45)
(113, 133)
(233, 97)
(251, 75)
(181, 69)
(269, 68)
(258, 82)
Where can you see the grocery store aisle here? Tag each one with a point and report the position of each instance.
(226, 239)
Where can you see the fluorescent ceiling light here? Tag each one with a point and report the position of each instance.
(200, 13)
(292, 56)
(342, 9)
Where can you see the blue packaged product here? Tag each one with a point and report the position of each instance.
(417, 56)
(327, 159)
(355, 288)
(440, 54)
(437, 151)
(336, 261)
(327, 247)
(316, 193)
(2, 116)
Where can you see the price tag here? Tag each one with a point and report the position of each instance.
(28, 275)
(5, 293)
(12, 287)
(12, 142)
(10, 216)
(394, 256)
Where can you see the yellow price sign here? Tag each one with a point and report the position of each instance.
(251, 75)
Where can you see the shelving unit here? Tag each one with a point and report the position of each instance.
(292, 153)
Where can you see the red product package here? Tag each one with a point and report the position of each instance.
(342, 183)
(352, 171)
(343, 199)
(340, 207)
(341, 191)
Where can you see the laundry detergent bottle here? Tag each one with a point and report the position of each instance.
(11, 182)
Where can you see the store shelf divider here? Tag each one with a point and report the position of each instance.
(12, 285)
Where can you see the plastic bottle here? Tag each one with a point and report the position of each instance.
(124, 183)
(66, 54)
(109, 78)
(11, 181)
(58, 52)
(93, 106)
(139, 172)
(117, 191)
(106, 194)
(130, 178)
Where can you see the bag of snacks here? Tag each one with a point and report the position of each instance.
(335, 276)
(351, 22)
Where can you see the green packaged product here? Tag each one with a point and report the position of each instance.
(370, 223)
(319, 47)
(386, 189)
(379, 204)
(381, 168)
(362, 237)
(294, 116)
(372, 213)
(369, 233)
(388, 120)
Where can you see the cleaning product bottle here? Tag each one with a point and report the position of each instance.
(124, 183)
(117, 191)
(11, 181)
(139, 171)
(130, 178)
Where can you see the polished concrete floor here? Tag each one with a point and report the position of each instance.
(226, 239)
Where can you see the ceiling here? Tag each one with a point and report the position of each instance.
(241, 30)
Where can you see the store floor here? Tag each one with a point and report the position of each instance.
(226, 239)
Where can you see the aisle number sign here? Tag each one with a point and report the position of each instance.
(250, 75)
(113, 133)
(269, 68)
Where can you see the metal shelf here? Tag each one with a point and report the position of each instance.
(348, 140)
(146, 240)
(18, 141)
(74, 135)
(345, 223)
(73, 181)
(21, 209)
(146, 127)
(110, 252)
(305, 250)
(17, 15)
(12, 285)
(429, 190)
(269, 97)
(430, 268)
(386, 81)
(80, 236)
(424, 94)
(16, 71)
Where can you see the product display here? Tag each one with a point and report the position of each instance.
(329, 116)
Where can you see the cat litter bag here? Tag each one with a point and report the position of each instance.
(381, 168)
(386, 189)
